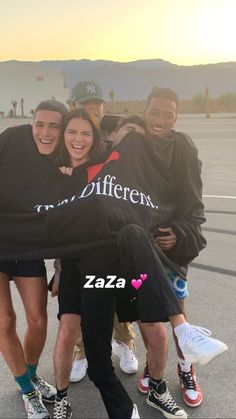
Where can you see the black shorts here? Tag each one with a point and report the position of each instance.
(24, 268)
(69, 293)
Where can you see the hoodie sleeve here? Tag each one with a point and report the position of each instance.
(4, 138)
(190, 208)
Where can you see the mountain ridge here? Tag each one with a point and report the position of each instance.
(133, 80)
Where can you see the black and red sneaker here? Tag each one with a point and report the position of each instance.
(160, 398)
(143, 382)
(192, 394)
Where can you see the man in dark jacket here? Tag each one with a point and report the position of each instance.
(42, 138)
(89, 95)
(179, 153)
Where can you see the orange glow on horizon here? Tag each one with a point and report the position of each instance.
(185, 32)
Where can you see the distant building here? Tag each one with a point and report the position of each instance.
(31, 82)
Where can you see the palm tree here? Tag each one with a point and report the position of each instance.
(207, 102)
(22, 107)
(14, 105)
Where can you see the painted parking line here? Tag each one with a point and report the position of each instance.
(217, 269)
(220, 196)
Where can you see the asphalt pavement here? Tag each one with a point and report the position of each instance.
(212, 286)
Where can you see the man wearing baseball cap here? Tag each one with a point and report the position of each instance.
(89, 95)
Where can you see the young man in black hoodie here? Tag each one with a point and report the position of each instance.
(30, 276)
(180, 155)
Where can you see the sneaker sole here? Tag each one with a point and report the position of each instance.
(193, 405)
(204, 361)
(48, 401)
(142, 390)
(129, 371)
(165, 414)
(77, 380)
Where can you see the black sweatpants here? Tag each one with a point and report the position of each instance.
(155, 300)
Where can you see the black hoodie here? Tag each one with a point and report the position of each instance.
(45, 214)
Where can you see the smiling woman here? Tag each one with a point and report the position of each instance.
(81, 137)
(78, 138)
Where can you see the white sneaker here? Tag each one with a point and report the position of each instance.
(79, 370)
(135, 414)
(34, 407)
(47, 391)
(197, 345)
(128, 361)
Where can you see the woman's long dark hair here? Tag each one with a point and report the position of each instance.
(98, 146)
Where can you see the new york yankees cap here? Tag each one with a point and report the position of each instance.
(87, 90)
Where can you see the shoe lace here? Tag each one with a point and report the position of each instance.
(198, 333)
(40, 383)
(36, 404)
(168, 401)
(60, 409)
(188, 380)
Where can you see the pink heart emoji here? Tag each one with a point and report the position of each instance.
(143, 276)
(136, 283)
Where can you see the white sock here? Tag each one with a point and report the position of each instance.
(179, 330)
(184, 365)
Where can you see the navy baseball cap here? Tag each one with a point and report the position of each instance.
(87, 90)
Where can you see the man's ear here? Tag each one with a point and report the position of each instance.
(175, 119)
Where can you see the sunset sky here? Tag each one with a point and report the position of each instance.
(183, 32)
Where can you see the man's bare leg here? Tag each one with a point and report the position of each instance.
(156, 342)
(63, 352)
(10, 345)
(63, 357)
(191, 392)
(158, 396)
(12, 351)
(179, 352)
(33, 292)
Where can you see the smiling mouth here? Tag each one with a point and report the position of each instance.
(47, 142)
(158, 129)
(78, 146)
